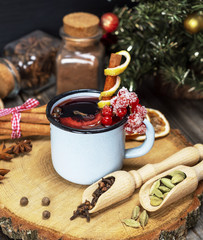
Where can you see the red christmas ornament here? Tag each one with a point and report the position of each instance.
(109, 22)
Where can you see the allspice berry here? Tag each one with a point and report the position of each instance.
(45, 201)
(46, 214)
(24, 201)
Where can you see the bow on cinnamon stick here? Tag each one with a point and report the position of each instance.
(33, 122)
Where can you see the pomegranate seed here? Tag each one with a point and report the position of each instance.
(106, 121)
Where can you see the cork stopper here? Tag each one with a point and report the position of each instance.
(8, 77)
(81, 24)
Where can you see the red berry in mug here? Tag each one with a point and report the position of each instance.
(121, 112)
(106, 121)
(134, 105)
(107, 111)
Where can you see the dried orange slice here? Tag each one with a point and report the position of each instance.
(159, 122)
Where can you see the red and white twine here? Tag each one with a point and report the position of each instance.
(16, 116)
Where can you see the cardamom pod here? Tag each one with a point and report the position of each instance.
(177, 171)
(167, 182)
(143, 218)
(158, 193)
(131, 223)
(135, 213)
(155, 185)
(164, 189)
(165, 194)
(155, 201)
(177, 178)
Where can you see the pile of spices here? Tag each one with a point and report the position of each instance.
(83, 209)
(163, 186)
(34, 58)
(137, 219)
(79, 62)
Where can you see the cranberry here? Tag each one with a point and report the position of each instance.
(134, 105)
(106, 121)
(121, 112)
(107, 111)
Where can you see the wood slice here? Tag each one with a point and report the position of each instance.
(33, 176)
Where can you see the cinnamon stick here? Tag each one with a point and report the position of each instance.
(41, 109)
(4, 131)
(110, 81)
(29, 117)
(41, 129)
(23, 134)
(4, 137)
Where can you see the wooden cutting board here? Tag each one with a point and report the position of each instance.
(33, 176)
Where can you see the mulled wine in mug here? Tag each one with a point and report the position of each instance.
(83, 149)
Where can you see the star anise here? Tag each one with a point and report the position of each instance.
(23, 146)
(25, 44)
(6, 152)
(3, 172)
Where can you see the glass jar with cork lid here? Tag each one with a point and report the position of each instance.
(9, 79)
(79, 62)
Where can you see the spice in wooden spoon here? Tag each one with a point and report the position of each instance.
(182, 189)
(126, 182)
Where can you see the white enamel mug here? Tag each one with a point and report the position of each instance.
(84, 156)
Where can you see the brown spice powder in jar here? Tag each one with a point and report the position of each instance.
(80, 59)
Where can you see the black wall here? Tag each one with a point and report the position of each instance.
(20, 17)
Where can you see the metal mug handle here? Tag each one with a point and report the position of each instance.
(145, 146)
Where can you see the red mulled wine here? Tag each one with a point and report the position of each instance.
(81, 113)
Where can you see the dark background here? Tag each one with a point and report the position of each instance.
(20, 17)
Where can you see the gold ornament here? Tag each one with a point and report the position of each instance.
(193, 23)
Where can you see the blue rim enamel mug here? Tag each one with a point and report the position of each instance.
(84, 156)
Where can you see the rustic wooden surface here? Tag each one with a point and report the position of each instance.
(185, 115)
(33, 176)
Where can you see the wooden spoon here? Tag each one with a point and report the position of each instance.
(126, 182)
(182, 189)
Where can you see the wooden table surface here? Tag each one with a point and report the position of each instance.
(185, 115)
